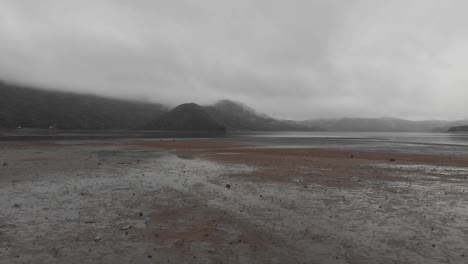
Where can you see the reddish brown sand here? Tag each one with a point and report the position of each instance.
(338, 167)
(213, 201)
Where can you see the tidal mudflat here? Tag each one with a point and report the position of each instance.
(228, 201)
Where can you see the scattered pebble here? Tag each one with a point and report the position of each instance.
(126, 227)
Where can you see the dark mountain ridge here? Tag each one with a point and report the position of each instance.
(239, 117)
(22, 106)
(458, 129)
(186, 117)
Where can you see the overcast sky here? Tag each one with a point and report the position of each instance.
(289, 58)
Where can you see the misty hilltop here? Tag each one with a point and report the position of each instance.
(186, 117)
(33, 108)
(456, 129)
(240, 117)
(225, 115)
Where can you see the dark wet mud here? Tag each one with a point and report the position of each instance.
(202, 202)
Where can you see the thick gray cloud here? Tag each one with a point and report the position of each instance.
(293, 59)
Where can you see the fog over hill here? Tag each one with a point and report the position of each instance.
(238, 116)
(186, 117)
(290, 59)
(35, 108)
(455, 129)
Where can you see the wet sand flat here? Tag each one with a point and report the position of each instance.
(229, 201)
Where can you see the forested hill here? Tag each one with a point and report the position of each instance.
(34, 108)
(459, 129)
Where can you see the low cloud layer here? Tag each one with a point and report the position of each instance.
(292, 59)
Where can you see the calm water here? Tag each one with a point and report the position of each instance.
(449, 143)
(426, 143)
(396, 137)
